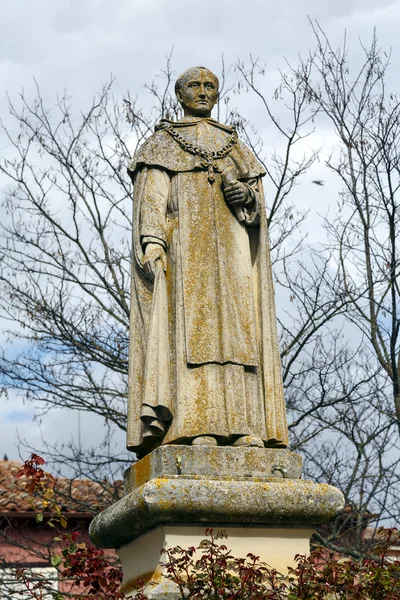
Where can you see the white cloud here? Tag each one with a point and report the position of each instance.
(20, 431)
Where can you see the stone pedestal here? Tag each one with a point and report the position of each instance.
(176, 492)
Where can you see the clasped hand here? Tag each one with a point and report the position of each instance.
(236, 194)
(152, 254)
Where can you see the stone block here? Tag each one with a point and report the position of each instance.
(176, 492)
(184, 500)
(223, 462)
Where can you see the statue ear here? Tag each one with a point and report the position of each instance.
(179, 95)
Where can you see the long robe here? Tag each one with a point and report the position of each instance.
(204, 358)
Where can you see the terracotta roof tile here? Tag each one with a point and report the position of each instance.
(72, 495)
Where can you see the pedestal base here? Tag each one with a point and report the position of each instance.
(176, 492)
(276, 546)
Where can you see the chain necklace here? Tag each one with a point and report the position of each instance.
(208, 156)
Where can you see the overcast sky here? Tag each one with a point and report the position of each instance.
(76, 45)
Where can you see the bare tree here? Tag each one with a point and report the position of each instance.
(355, 404)
(363, 234)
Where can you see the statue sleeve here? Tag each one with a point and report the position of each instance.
(252, 205)
(153, 208)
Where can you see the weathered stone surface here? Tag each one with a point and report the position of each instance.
(183, 500)
(210, 462)
(163, 590)
(204, 357)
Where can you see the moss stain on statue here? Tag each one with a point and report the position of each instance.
(222, 375)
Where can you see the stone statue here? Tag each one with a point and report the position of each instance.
(206, 413)
(204, 364)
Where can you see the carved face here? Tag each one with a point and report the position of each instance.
(198, 93)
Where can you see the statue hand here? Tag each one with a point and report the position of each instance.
(152, 254)
(236, 194)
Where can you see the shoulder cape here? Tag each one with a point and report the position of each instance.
(163, 151)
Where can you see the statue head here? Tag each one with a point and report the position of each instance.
(197, 91)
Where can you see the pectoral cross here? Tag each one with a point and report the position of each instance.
(211, 167)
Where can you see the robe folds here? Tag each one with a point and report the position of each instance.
(204, 357)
